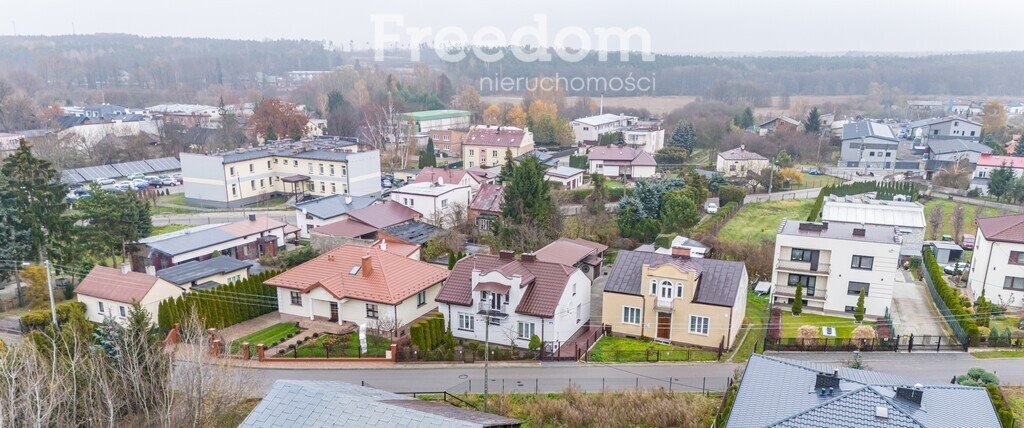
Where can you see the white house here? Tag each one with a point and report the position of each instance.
(328, 209)
(592, 127)
(946, 127)
(110, 293)
(568, 177)
(833, 261)
(434, 201)
(737, 162)
(617, 161)
(987, 163)
(997, 266)
(361, 284)
(518, 298)
(646, 136)
(908, 216)
(244, 240)
(451, 176)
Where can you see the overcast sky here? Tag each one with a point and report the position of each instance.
(818, 26)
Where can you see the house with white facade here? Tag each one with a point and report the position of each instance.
(621, 162)
(739, 161)
(944, 128)
(590, 129)
(450, 176)
(906, 216)
(648, 136)
(328, 209)
(435, 201)
(868, 144)
(833, 262)
(515, 299)
(244, 240)
(997, 266)
(987, 163)
(566, 176)
(363, 285)
(110, 293)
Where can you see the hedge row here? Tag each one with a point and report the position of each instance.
(40, 318)
(950, 295)
(223, 306)
(716, 221)
(883, 191)
(1004, 411)
(430, 333)
(579, 195)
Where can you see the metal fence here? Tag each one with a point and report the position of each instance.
(951, 321)
(651, 355)
(911, 343)
(466, 355)
(703, 385)
(200, 219)
(782, 196)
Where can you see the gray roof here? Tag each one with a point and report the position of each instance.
(937, 120)
(777, 392)
(294, 403)
(192, 271)
(564, 171)
(413, 231)
(956, 145)
(719, 281)
(867, 128)
(332, 206)
(842, 230)
(191, 241)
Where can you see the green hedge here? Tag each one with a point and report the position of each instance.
(950, 295)
(714, 222)
(1004, 411)
(430, 333)
(226, 305)
(579, 195)
(883, 191)
(41, 318)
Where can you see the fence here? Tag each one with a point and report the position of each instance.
(704, 385)
(651, 355)
(948, 316)
(466, 355)
(205, 218)
(782, 196)
(911, 343)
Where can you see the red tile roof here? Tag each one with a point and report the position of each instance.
(494, 136)
(569, 251)
(393, 278)
(384, 215)
(996, 161)
(488, 198)
(431, 174)
(110, 284)
(348, 228)
(1007, 228)
(621, 156)
(545, 281)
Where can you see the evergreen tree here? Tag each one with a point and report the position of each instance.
(1000, 182)
(813, 122)
(689, 138)
(33, 195)
(679, 213)
(783, 160)
(678, 135)
(270, 134)
(507, 168)
(858, 312)
(428, 157)
(1018, 150)
(798, 300)
(747, 118)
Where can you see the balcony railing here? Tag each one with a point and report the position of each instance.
(790, 291)
(795, 265)
(486, 308)
(663, 303)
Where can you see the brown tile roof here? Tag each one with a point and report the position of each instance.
(393, 279)
(1007, 228)
(348, 228)
(110, 284)
(431, 174)
(384, 215)
(621, 156)
(397, 246)
(569, 251)
(491, 136)
(546, 282)
(488, 198)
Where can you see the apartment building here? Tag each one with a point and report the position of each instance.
(247, 176)
(833, 261)
(997, 266)
(448, 143)
(485, 146)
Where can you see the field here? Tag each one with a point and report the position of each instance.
(760, 221)
(756, 318)
(665, 104)
(947, 207)
(844, 326)
(635, 350)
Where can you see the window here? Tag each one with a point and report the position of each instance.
(323, 188)
(252, 183)
(421, 298)
(296, 298)
(665, 290)
(630, 315)
(251, 168)
(332, 169)
(654, 287)
(888, 154)
(444, 203)
(471, 152)
(466, 322)
(579, 311)
(863, 262)
(850, 309)
(371, 310)
(732, 167)
(100, 304)
(268, 163)
(471, 163)
(854, 288)
(333, 188)
(1017, 257)
(295, 163)
(234, 190)
(1014, 283)
(232, 171)
(801, 255)
(310, 164)
(679, 290)
(261, 183)
(972, 133)
(806, 281)
(872, 154)
(526, 330)
(494, 153)
(321, 169)
(699, 324)
(122, 311)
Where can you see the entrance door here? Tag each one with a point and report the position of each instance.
(334, 311)
(664, 325)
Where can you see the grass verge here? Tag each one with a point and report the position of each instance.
(168, 228)
(998, 354)
(844, 326)
(268, 336)
(611, 349)
(375, 347)
(753, 333)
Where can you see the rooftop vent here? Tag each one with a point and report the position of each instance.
(882, 412)
(911, 394)
(506, 255)
(813, 227)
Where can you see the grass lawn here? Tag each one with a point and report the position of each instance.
(174, 198)
(168, 228)
(634, 350)
(756, 318)
(613, 184)
(947, 207)
(815, 181)
(760, 221)
(158, 209)
(267, 336)
(997, 354)
(1015, 398)
(844, 326)
(699, 157)
(375, 347)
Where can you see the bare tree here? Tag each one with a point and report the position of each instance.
(935, 221)
(387, 323)
(958, 222)
(385, 131)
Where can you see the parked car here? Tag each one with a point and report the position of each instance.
(168, 181)
(136, 176)
(385, 183)
(179, 177)
(711, 208)
(947, 237)
(385, 195)
(953, 268)
(814, 172)
(140, 185)
(124, 185)
(105, 181)
(154, 181)
(968, 243)
(77, 194)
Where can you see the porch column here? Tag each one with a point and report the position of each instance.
(311, 309)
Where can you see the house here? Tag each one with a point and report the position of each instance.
(696, 248)
(1015, 108)
(833, 261)
(737, 162)
(460, 177)
(110, 293)
(188, 115)
(448, 143)
(997, 266)
(320, 167)
(9, 143)
(206, 274)
(517, 298)
(567, 177)
(485, 146)
(946, 153)
(867, 144)
(987, 163)
(647, 135)
(362, 224)
(328, 209)
(587, 256)
(779, 392)
(365, 285)
(553, 157)
(906, 216)
(946, 127)
(318, 403)
(437, 202)
(781, 123)
(590, 129)
(244, 240)
(430, 120)
(486, 205)
(618, 161)
(676, 298)
(92, 131)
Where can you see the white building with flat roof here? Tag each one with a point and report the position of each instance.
(435, 201)
(592, 127)
(907, 216)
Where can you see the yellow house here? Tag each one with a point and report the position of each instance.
(485, 146)
(675, 298)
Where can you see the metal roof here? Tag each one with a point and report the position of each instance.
(436, 114)
(196, 270)
(956, 145)
(413, 231)
(603, 119)
(128, 168)
(842, 230)
(890, 213)
(333, 205)
(719, 282)
(164, 164)
(867, 128)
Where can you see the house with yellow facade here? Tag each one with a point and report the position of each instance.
(676, 298)
(485, 146)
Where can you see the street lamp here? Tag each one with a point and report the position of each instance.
(487, 343)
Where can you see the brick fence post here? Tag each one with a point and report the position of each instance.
(173, 336)
(260, 354)
(245, 350)
(215, 348)
(394, 352)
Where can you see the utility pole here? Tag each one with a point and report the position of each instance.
(771, 180)
(49, 289)
(487, 343)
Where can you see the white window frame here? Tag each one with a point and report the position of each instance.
(466, 322)
(526, 330)
(680, 290)
(696, 325)
(629, 314)
(666, 290)
(295, 296)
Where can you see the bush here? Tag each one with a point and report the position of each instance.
(950, 295)
(41, 318)
(731, 194)
(977, 377)
(807, 332)
(863, 332)
(223, 306)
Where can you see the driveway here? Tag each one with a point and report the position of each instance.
(912, 308)
(597, 298)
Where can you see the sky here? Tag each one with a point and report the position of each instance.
(704, 27)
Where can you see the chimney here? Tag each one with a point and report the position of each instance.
(529, 257)
(383, 245)
(679, 252)
(506, 255)
(151, 270)
(912, 395)
(252, 217)
(348, 199)
(826, 380)
(367, 266)
(743, 147)
(125, 268)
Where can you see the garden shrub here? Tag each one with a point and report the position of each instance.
(223, 306)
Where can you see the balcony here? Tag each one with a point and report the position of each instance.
(495, 311)
(663, 304)
(783, 290)
(802, 267)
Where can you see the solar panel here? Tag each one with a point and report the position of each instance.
(164, 164)
(137, 167)
(70, 177)
(93, 172)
